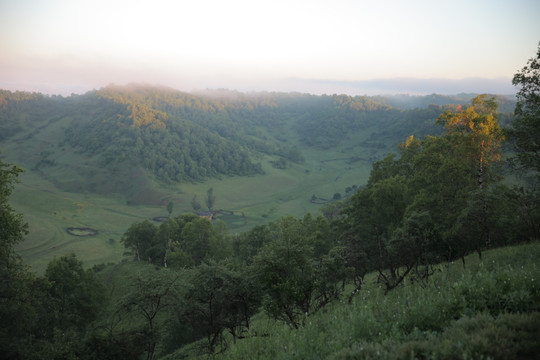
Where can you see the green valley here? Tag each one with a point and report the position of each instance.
(114, 156)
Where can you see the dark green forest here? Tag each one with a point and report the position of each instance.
(460, 193)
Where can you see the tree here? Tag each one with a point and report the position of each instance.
(12, 225)
(300, 269)
(45, 317)
(210, 199)
(137, 325)
(284, 269)
(170, 205)
(140, 239)
(525, 131)
(372, 217)
(525, 136)
(17, 314)
(167, 235)
(77, 295)
(412, 247)
(195, 204)
(219, 299)
(248, 244)
(198, 238)
(526, 210)
(331, 273)
(478, 132)
(478, 138)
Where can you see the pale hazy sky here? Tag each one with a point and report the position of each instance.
(327, 46)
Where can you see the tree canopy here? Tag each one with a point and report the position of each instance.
(525, 130)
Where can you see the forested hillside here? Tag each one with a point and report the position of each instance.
(179, 137)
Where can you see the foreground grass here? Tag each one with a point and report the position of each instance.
(488, 310)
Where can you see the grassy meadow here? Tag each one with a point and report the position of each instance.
(74, 192)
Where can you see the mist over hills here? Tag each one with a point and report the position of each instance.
(389, 87)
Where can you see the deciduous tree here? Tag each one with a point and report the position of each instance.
(219, 299)
(170, 206)
(140, 239)
(285, 272)
(17, 314)
(210, 199)
(77, 295)
(137, 324)
(525, 131)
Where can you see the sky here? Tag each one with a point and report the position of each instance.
(316, 46)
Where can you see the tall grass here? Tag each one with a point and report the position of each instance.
(489, 309)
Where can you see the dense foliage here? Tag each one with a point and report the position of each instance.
(525, 131)
(178, 242)
(173, 145)
(436, 201)
(42, 317)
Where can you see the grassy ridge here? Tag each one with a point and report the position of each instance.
(490, 309)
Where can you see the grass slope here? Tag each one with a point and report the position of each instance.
(487, 310)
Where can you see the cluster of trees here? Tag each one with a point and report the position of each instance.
(19, 109)
(291, 268)
(41, 317)
(405, 101)
(179, 242)
(163, 309)
(173, 149)
(443, 196)
(298, 264)
(439, 200)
